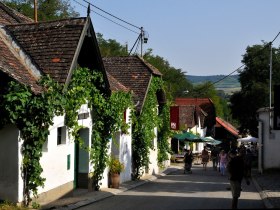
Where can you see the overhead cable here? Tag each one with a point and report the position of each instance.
(267, 45)
(106, 17)
(112, 15)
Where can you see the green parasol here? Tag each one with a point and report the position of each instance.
(187, 136)
(211, 141)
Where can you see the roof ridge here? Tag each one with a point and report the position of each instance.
(150, 66)
(14, 14)
(47, 21)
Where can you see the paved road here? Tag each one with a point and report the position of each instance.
(178, 191)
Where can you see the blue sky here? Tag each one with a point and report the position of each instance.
(201, 37)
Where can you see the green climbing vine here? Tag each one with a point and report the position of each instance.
(164, 134)
(106, 111)
(143, 130)
(33, 115)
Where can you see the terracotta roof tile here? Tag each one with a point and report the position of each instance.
(11, 16)
(230, 128)
(51, 45)
(115, 85)
(133, 72)
(187, 116)
(205, 104)
(14, 67)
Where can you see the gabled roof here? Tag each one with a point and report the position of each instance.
(54, 48)
(51, 45)
(115, 85)
(226, 125)
(15, 65)
(205, 104)
(133, 72)
(11, 16)
(188, 116)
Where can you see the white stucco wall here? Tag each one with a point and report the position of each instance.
(54, 159)
(9, 158)
(269, 142)
(153, 166)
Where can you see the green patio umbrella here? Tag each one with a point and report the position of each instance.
(187, 136)
(211, 141)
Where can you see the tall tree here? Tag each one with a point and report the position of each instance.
(254, 80)
(176, 83)
(47, 9)
(110, 47)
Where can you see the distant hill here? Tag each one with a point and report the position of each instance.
(229, 85)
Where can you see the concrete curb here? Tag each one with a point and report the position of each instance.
(110, 194)
(263, 195)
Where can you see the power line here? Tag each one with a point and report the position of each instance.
(106, 17)
(267, 45)
(112, 15)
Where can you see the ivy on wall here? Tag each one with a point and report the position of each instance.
(143, 130)
(33, 115)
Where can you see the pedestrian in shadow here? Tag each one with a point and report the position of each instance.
(236, 169)
(188, 159)
(204, 158)
(214, 157)
(223, 157)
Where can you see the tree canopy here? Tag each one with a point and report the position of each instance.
(47, 9)
(254, 80)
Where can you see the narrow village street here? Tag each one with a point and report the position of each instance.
(199, 190)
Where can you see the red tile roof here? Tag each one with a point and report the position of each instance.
(230, 128)
(133, 72)
(11, 16)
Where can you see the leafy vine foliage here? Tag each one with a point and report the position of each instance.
(33, 115)
(143, 130)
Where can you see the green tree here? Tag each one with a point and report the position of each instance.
(110, 47)
(207, 90)
(47, 9)
(254, 80)
(175, 80)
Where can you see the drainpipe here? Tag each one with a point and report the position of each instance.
(261, 156)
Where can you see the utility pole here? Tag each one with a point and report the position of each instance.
(141, 38)
(270, 84)
(35, 12)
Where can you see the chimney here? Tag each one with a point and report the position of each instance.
(35, 11)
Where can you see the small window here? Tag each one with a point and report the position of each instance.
(68, 161)
(61, 135)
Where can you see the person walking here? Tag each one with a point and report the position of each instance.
(249, 157)
(204, 158)
(188, 159)
(237, 172)
(214, 157)
(223, 157)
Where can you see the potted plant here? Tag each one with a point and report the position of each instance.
(115, 168)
